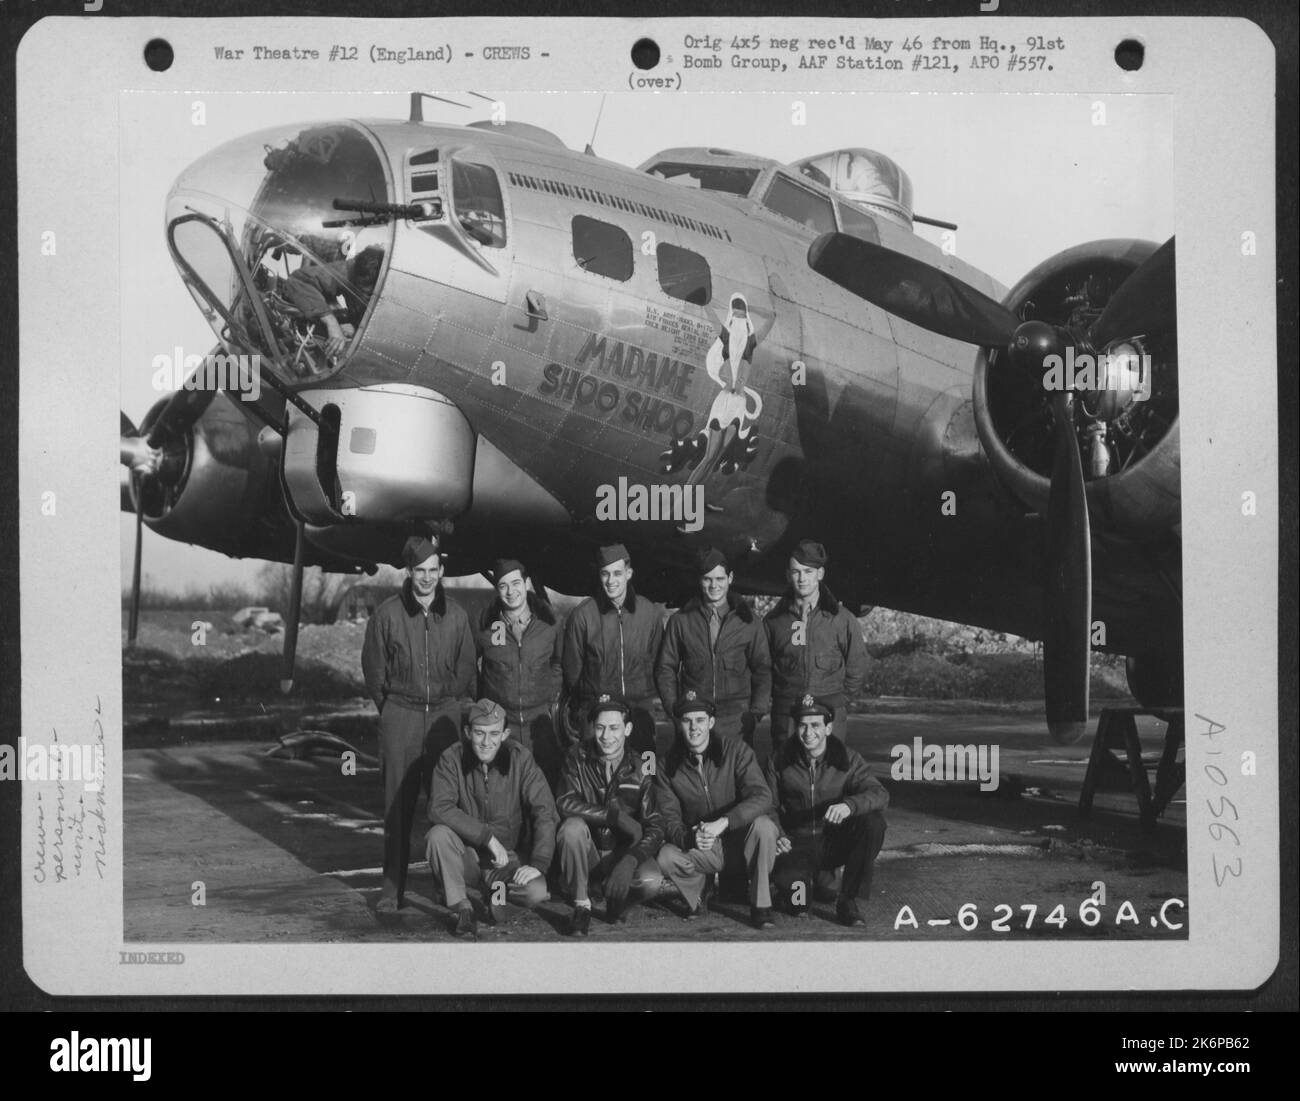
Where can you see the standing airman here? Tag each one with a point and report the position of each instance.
(816, 643)
(716, 647)
(611, 641)
(418, 663)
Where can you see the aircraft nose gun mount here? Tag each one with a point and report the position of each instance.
(382, 212)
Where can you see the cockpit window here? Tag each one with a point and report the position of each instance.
(476, 194)
(858, 223)
(799, 204)
(706, 177)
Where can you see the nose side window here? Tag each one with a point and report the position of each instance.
(684, 274)
(602, 248)
(480, 210)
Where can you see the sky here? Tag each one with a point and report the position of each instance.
(1023, 176)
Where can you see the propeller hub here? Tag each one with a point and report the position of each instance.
(1033, 342)
(136, 454)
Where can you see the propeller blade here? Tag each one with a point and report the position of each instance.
(1066, 646)
(133, 623)
(912, 289)
(295, 608)
(132, 454)
(1144, 303)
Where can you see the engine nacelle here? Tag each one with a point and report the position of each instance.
(209, 482)
(385, 454)
(1130, 448)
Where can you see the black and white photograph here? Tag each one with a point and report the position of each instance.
(696, 466)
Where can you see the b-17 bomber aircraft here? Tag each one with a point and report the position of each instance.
(474, 328)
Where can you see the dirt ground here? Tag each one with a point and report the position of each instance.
(289, 850)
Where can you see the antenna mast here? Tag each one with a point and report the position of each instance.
(591, 145)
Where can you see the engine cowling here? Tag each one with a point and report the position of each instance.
(1129, 442)
(209, 484)
(390, 453)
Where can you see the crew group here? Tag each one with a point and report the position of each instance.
(520, 775)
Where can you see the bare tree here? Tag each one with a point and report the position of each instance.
(322, 593)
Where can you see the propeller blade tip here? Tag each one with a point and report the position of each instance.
(1067, 731)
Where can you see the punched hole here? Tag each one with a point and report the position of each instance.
(158, 55)
(645, 53)
(1129, 55)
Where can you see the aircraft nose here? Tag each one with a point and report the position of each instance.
(255, 232)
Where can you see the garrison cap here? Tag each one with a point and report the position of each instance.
(691, 702)
(809, 706)
(609, 703)
(485, 713)
(809, 553)
(708, 558)
(612, 553)
(503, 566)
(417, 548)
